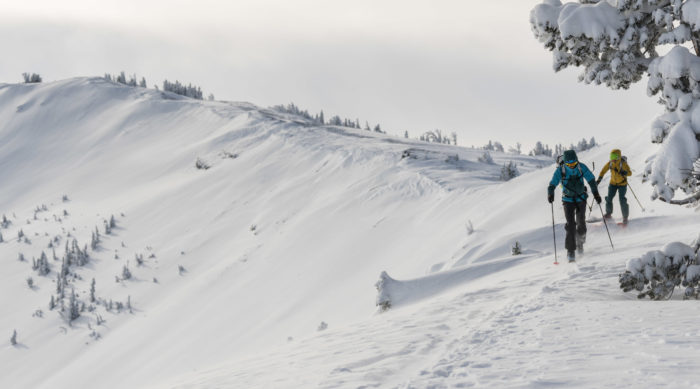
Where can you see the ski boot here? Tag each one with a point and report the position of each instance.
(571, 256)
(607, 216)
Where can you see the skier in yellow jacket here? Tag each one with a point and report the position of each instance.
(619, 171)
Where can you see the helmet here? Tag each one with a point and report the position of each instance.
(570, 158)
(615, 154)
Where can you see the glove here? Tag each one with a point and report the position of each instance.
(597, 198)
(599, 180)
(550, 198)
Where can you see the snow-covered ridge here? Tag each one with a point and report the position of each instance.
(289, 226)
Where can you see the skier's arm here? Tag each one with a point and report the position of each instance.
(626, 171)
(603, 171)
(553, 184)
(588, 176)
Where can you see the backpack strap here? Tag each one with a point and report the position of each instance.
(577, 194)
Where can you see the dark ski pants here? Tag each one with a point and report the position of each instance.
(575, 224)
(624, 207)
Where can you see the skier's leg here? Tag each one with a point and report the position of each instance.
(609, 199)
(580, 226)
(624, 206)
(569, 213)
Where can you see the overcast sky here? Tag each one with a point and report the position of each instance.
(472, 67)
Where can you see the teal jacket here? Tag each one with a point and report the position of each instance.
(573, 188)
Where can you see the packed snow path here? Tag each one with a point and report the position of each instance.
(534, 325)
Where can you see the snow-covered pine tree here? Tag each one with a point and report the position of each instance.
(509, 171)
(31, 78)
(73, 307)
(516, 249)
(657, 273)
(92, 291)
(486, 158)
(41, 265)
(13, 338)
(616, 43)
(126, 273)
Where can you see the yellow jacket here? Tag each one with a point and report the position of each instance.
(619, 171)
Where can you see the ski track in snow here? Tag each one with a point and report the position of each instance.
(555, 326)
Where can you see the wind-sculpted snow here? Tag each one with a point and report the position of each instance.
(392, 293)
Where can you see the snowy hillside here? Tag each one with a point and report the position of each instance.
(259, 270)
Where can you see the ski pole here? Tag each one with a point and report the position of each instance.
(606, 226)
(554, 235)
(635, 197)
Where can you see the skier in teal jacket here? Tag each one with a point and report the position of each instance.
(571, 174)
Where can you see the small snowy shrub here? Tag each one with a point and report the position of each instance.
(201, 165)
(30, 282)
(322, 326)
(509, 171)
(486, 158)
(516, 249)
(384, 286)
(470, 227)
(13, 338)
(126, 273)
(657, 273)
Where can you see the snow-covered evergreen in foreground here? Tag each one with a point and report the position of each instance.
(232, 268)
(616, 43)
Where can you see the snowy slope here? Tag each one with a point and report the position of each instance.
(289, 227)
(511, 321)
